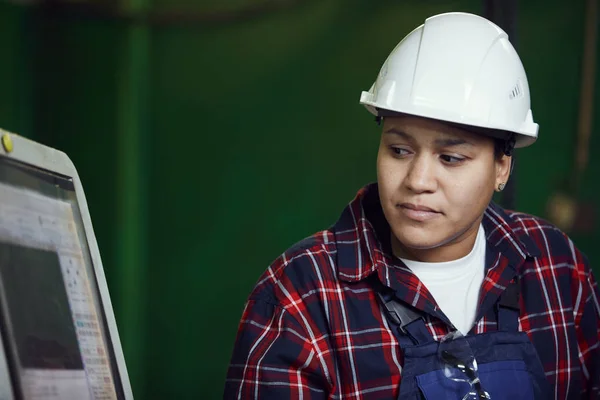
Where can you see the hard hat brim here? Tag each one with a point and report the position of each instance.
(522, 139)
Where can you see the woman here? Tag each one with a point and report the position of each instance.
(424, 288)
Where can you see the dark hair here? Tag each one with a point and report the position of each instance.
(504, 146)
(499, 145)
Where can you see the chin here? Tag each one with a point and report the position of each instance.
(418, 239)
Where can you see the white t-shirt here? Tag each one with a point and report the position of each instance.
(455, 284)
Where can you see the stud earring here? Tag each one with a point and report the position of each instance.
(501, 187)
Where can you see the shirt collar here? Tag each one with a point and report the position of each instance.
(362, 236)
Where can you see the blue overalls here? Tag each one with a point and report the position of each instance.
(508, 364)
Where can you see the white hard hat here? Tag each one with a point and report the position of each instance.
(459, 68)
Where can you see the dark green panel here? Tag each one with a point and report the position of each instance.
(551, 38)
(590, 191)
(550, 45)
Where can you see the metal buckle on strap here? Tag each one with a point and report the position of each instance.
(399, 314)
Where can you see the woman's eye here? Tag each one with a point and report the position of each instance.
(398, 151)
(451, 159)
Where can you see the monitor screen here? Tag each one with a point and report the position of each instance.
(53, 327)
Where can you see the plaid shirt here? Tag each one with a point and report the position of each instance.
(313, 328)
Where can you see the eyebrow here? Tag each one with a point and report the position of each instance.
(443, 142)
(399, 133)
(449, 142)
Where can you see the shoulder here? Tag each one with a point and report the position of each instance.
(548, 237)
(556, 248)
(306, 267)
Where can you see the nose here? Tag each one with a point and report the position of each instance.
(420, 177)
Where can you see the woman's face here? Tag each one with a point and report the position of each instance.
(435, 182)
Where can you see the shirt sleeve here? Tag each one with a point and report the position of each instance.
(588, 335)
(273, 358)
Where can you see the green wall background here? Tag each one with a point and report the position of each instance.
(207, 149)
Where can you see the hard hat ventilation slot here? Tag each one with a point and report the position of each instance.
(517, 91)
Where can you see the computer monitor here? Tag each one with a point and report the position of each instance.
(58, 335)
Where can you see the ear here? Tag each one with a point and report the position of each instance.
(502, 170)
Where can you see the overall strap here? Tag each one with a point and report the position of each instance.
(407, 323)
(508, 308)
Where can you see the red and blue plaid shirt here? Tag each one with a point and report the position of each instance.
(314, 329)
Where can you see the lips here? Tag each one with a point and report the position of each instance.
(418, 213)
(415, 207)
